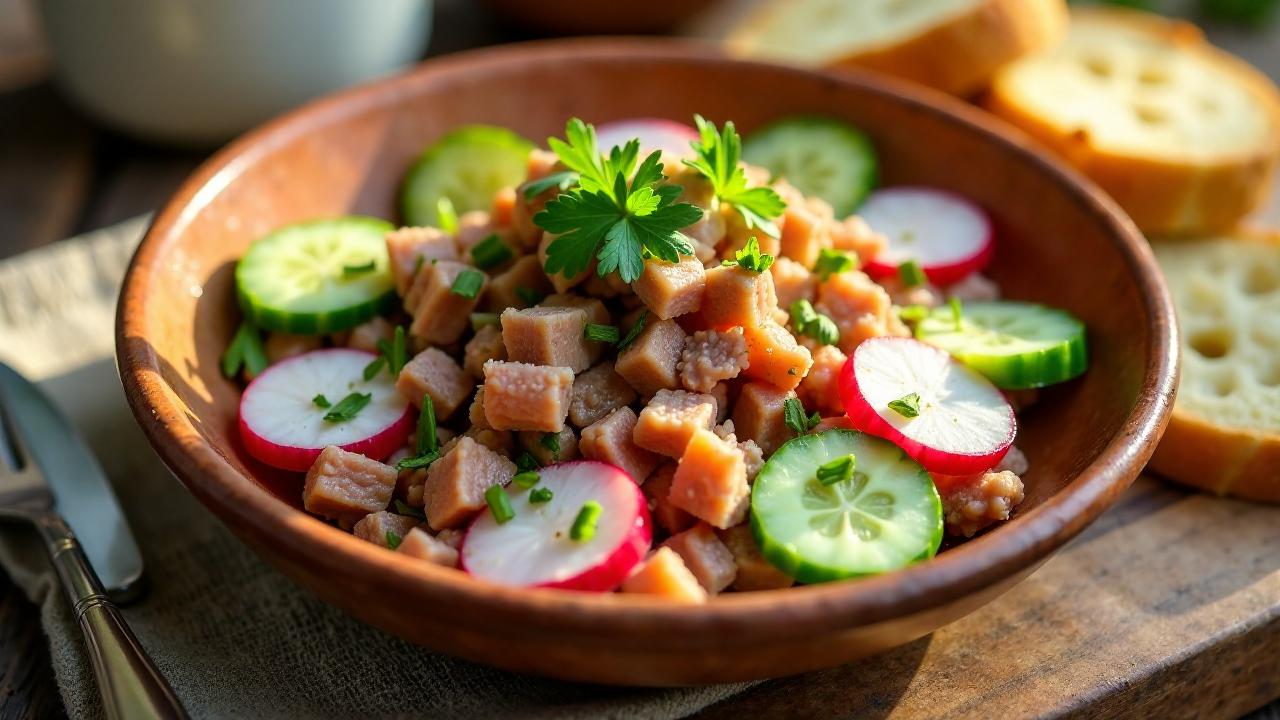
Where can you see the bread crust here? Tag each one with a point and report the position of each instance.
(1165, 196)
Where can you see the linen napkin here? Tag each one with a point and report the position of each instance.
(235, 638)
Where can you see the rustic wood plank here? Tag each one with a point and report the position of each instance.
(27, 686)
(134, 178)
(1168, 606)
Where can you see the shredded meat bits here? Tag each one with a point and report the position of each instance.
(971, 503)
(710, 356)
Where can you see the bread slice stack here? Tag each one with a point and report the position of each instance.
(1225, 433)
(1185, 137)
(952, 45)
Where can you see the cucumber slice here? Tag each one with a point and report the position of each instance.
(885, 518)
(469, 166)
(1016, 345)
(317, 277)
(820, 156)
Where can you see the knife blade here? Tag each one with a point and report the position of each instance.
(81, 492)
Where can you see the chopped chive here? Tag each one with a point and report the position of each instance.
(551, 442)
(490, 252)
(540, 495)
(479, 320)
(831, 262)
(840, 469)
(348, 407)
(526, 462)
(499, 503)
(420, 462)
(393, 352)
(584, 525)
(814, 419)
(634, 332)
(793, 416)
(373, 368)
(321, 401)
(908, 406)
(393, 540)
(910, 274)
(913, 313)
(526, 479)
(467, 284)
(529, 296)
(426, 441)
(350, 270)
(957, 311)
(601, 333)
(446, 216)
(244, 352)
(403, 508)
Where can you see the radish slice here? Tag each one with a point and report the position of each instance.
(964, 424)
(533, 549)
(949, 236)
(654, 134)
(282, 426)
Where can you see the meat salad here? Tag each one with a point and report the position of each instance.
(652, 358)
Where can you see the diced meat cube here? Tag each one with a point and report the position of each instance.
(1015, 461)
(475, 413)
(859, 307)
(973, 502)
(804, 233)
(754, 572)
(752, 455)
(519, 396)
(441, 315)
(820, 389)
(774, 356)
(596, 313)
(723, 403)
(664, 574)
(974, 287)
(560, 281)
(657, 492)
(547, 336)
(516, 285)
(792, 281)
(346, 486)
(282, 346)
(457, 481)
(473, 227)
(366, 335)
(499, 441)
(487, 344)
(649, 363)
(711, 480)
(544, 450)
(671, 418)
(451, 537)
(758, 416)
(736, 235)
(610, 440)
(503, 204)
(418, 543)
(705, 556)
(737, 296)
(411, 248)
(432, 372)
(671, 289)
(374, 527)
(541, 163)
(711, 356)
(609, 286)
(853, 234)
(596, 393)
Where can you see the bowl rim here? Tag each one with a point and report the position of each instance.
(792, 612)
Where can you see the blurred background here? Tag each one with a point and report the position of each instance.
(106, 105)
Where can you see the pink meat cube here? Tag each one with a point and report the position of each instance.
(737, 296)
(366, 335)
(754, 572)
(559, 281)
(456, 482)
(649, 363)
(485, 345)
(792, 281)
(860, 308)
(596, 393)
(519, 396)
(711, 356)
(671, 289)
(705, 556)
(820, 389)
(804, 232)
(610, 440)
(657, 491)
(670, 420)
(547, 336)
(377, 527)
(411, 248)
(596, 313)
(516, 285)
(711, 481)
(758, 416)
(432, 372)
(346, 486)
(441, 315)
(665, 575)
(418, 543)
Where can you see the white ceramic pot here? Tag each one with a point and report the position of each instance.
(201, 71)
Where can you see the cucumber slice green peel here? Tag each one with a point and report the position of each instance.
(317, 277)
(885, 517)
(468, 166)
(820, 156)
(1016, 345)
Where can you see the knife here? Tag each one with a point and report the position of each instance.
(81, 492)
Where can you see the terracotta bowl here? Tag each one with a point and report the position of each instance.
(1061, 242)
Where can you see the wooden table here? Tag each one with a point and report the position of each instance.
(1168, 606)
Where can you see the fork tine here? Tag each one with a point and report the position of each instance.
(17, 456)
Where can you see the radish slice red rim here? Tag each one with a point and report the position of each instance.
(534, 549)
(281, 424)
(654, 134)
(964, 424)
(948, 235)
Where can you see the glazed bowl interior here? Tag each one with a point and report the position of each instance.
(1060, 242)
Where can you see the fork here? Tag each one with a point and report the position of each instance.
(130, 684)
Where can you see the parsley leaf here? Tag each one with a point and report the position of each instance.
(808, 321)
(717, 153)
(348, 407)
(794, 418)
(245, 351)
(551, 441)
(838, 470)
(750, 257)
(831, 262)
(563, 180)
(321, 401)
(908, 406)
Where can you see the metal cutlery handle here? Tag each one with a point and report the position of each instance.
(130, 684)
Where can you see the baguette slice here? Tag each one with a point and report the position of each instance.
(1225, 433)
(1185, 137)
(952, 45)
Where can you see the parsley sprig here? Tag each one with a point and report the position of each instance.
(716, 156)
(750, 257)
(615, 214)
(794, 418)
